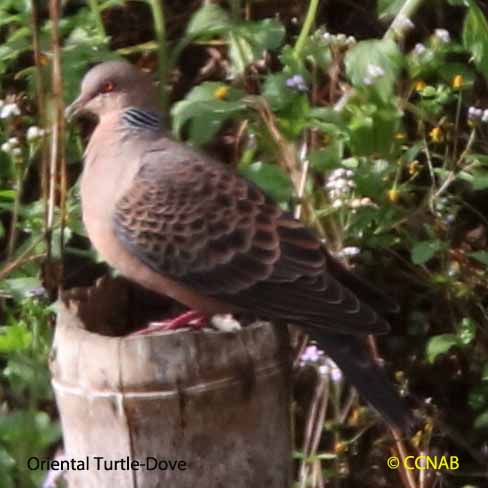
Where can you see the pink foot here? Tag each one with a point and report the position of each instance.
(192, 318)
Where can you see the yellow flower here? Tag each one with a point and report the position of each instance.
(419, 85)
(436, 134)
(457, 82)
(43, 59)
(400, 136)
(221, 92)
(340, 447)
(413, 167)
(393, 195)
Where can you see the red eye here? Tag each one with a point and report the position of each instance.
(107, 87)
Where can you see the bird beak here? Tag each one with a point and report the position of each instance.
(71, 111)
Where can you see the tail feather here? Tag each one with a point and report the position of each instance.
(352, 357)
(366, 292)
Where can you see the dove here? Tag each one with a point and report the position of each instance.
(184, 225)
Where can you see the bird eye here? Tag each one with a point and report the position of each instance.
(107, 87)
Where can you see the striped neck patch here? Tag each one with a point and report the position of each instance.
(135, 118)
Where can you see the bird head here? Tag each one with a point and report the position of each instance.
(113, 86)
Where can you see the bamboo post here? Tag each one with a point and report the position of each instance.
(198, 408)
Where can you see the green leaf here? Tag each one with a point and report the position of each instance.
(440, 344)
(480, 180)
(264, 35)
(480, 256)
(204, 112)
(328, 158)
(424, 251)
(484, 374)
(276, 91)
(478, 397)
(389, 8)
(19, 288)
(448, 71)
(481, 159)
(383, 54)
(467, 331)
(481, 422)
(7, 194)
(210, 20)
(475, 37)
(372, 129)
(271, 178)
(14, 338)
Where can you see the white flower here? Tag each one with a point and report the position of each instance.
(11, 147)
(341, 38)
(337, 204)
(404, 23)
(348, 252)
(336, 375)
(330, 368)
(366, 201)
(9, 110)
(341, 184)
(419, 49)
(443, 35)
(2, 103)
(327, 37)
(34, 133)
(355, 203)
(361, 202)
(324, 369)
(484, 117)
(351, 41)
(337, 173)
(475, 114)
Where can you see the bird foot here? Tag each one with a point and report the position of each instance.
(192, 318)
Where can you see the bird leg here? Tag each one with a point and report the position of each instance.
(191, 318)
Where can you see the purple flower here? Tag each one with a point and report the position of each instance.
(297, 82)
(312, 354)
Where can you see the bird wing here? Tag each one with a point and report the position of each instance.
(193, 219)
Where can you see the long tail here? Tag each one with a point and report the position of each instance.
(352, 357)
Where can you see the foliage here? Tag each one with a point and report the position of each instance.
(380, 141)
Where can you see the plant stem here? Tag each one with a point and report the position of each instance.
(25, 256)
(397, 27)
(15, 213)
(57, 169)
(456, 125)
(235, 6)
(307, 26)
(95, 8)
(41, 108)
(160, 28)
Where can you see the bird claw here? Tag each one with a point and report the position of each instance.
(192, 319)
